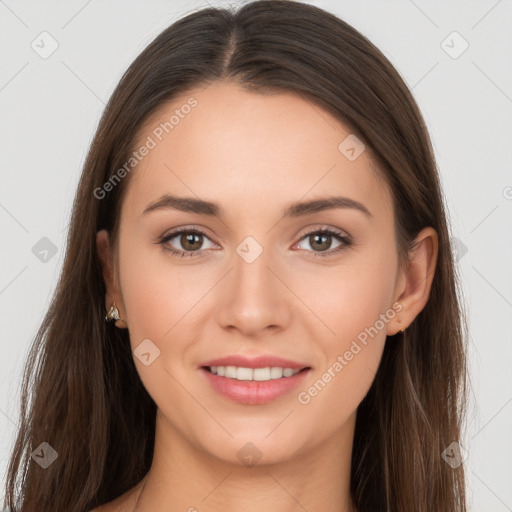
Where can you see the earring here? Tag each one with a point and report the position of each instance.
(113, 314)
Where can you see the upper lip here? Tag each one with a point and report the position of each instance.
(262, 361)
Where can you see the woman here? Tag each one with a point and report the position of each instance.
(260, 223)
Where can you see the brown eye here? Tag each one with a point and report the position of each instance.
(321, 241)
(188, 242)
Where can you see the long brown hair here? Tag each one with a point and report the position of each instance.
(81, 392)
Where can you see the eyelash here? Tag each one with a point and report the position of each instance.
(347, 242)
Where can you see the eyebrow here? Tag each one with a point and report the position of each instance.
(201, 207)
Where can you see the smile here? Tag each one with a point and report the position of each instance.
(253, 386)
(259, 374)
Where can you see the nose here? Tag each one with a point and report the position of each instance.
(253, 298)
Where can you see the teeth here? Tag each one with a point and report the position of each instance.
(259, 374)
(230, 372)
(276, 373)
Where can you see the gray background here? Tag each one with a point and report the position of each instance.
(51, 107)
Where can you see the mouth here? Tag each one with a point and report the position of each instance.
(254, 386)
(254, 374)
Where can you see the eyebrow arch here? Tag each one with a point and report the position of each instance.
(198, 206)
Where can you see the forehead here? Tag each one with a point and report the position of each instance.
(226, 144)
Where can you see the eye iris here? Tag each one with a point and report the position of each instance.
(316, 237)
(190, 238)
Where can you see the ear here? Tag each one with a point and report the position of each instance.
(106, 257)
(413, 288)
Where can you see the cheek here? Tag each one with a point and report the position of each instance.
(156, 300)
(335, 391)
(355, 304)
(165, 303)
(152, 291)
(351, 296)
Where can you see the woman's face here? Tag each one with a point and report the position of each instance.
(252, 280)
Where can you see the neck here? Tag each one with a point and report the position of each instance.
(184, 476)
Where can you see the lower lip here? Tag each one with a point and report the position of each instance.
(253, 392)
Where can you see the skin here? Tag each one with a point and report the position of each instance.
(255, 154)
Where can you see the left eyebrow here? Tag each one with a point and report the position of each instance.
(328, 203)
(201, 207)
